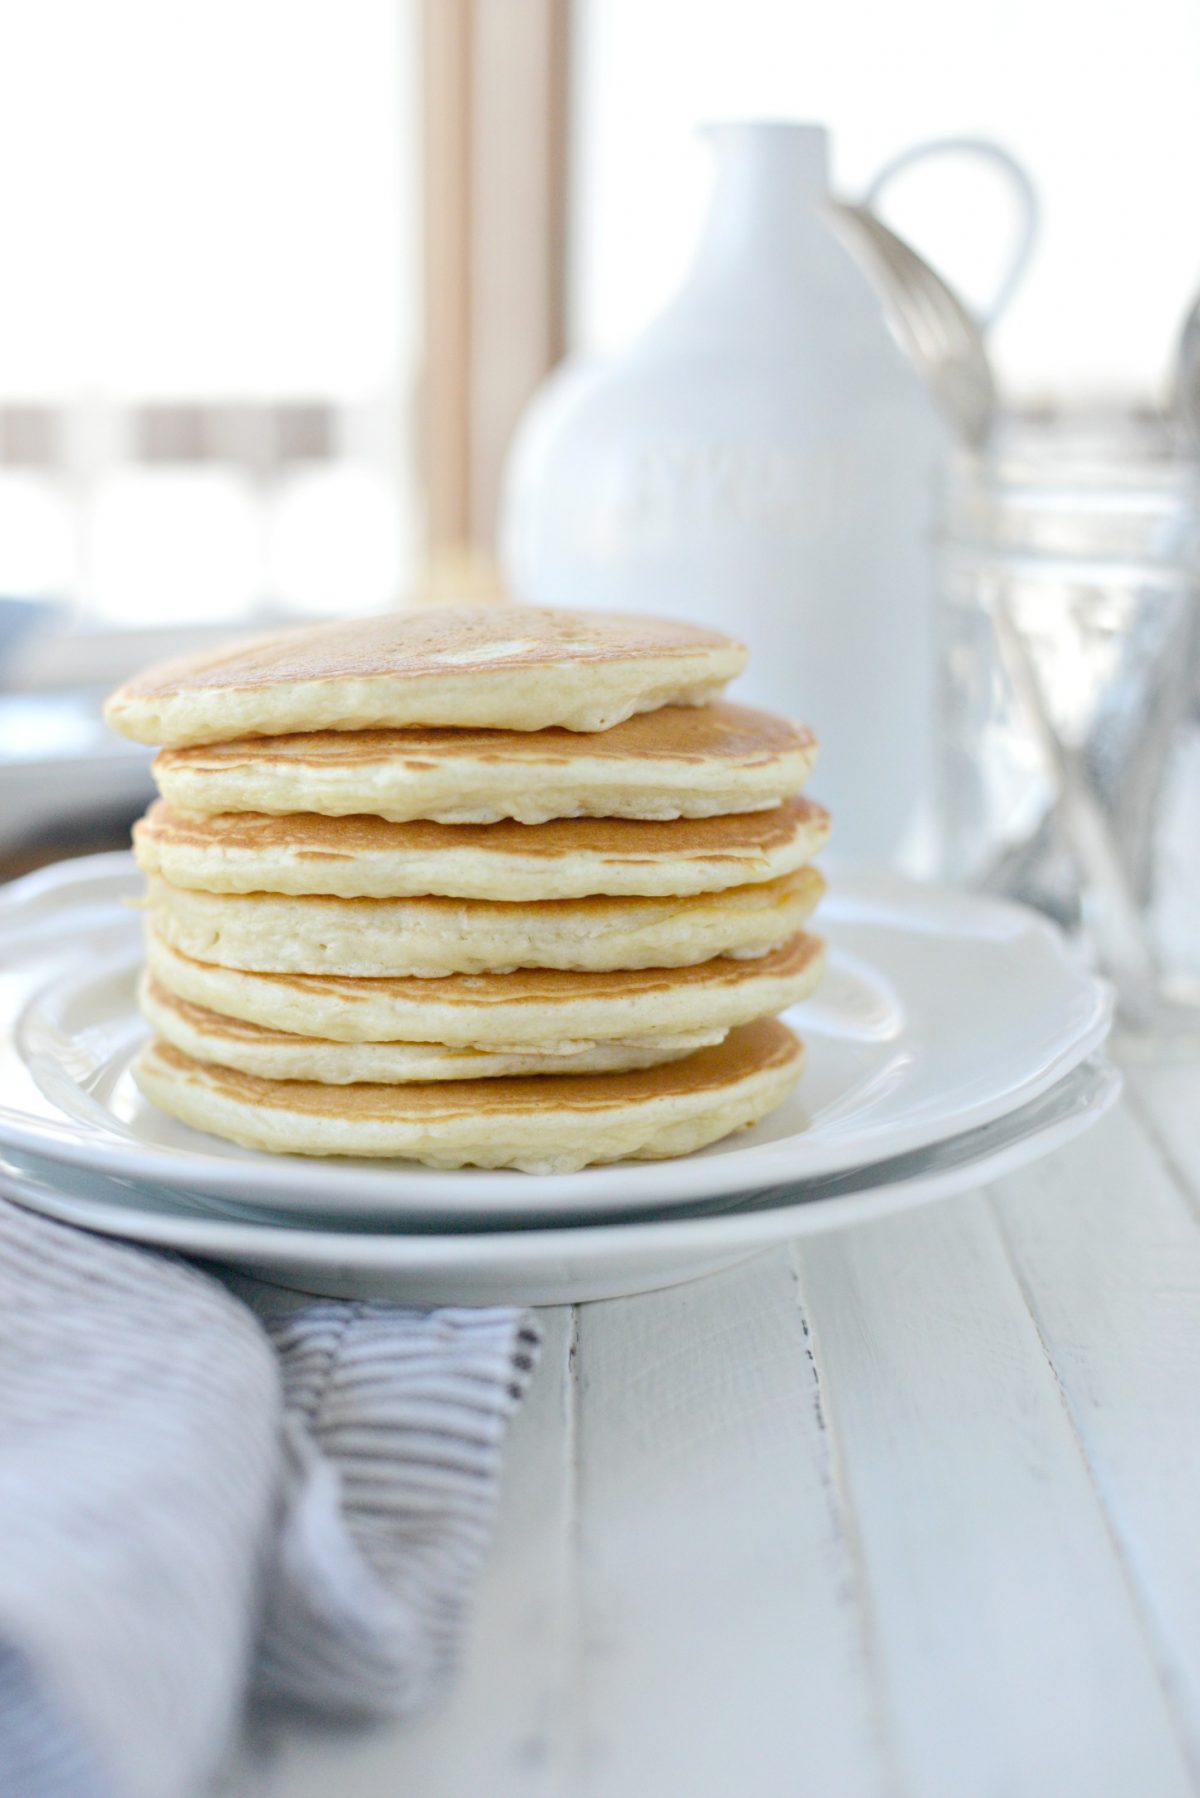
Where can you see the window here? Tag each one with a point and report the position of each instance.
(209, 313)
(279, 274)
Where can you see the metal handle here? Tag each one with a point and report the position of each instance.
(1022, 185)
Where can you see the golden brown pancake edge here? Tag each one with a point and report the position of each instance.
(750, 1049)
(310, 834)
(548, 986)
(711, 733)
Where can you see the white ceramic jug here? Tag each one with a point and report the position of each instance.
(762, 459)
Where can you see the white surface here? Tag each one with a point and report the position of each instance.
(568, 1264)
(940, 1014)
(899, 1512)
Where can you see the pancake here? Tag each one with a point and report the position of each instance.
(548, 1010)
(276, 1055)
(272, 934)
(678, 762)
(499, 667)
(547, 1124)
(370, 858)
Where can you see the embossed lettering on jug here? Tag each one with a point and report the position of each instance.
(679, 485)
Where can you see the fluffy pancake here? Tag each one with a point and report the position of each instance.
(548, 1010)
(547, 1124)
(500, 667)
(272, 934)
(677, 762)
(277, 1055)
(371, 858)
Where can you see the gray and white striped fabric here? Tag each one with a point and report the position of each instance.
(196, 1500)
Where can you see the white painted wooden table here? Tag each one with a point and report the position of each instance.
(910, 1511)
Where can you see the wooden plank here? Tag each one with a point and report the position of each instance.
(1108, 1252)
(1013, 1656)
(504, 1728)
(721, 1640)
(1167, 1100)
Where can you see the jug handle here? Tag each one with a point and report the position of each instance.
(1020, 182)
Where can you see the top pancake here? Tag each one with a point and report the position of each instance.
(497, 667)
(677, 762)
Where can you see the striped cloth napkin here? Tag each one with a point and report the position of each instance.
(203, 1494)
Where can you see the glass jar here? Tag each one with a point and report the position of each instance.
(1070, 776)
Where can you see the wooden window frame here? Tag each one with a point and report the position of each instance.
(494, 137)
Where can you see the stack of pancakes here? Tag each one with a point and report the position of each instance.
(499, 886)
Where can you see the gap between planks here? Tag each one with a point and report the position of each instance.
(842, 1501)
(1104, 1244)
(1012, 1655)
(721, 1639)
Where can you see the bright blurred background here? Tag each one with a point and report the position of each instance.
(230, 237)
(209, 330)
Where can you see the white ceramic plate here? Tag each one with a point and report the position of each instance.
(940, 1013)
(570, 1264)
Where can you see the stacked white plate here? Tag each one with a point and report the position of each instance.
(954, 1039)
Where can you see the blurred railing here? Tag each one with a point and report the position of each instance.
(186, 510)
